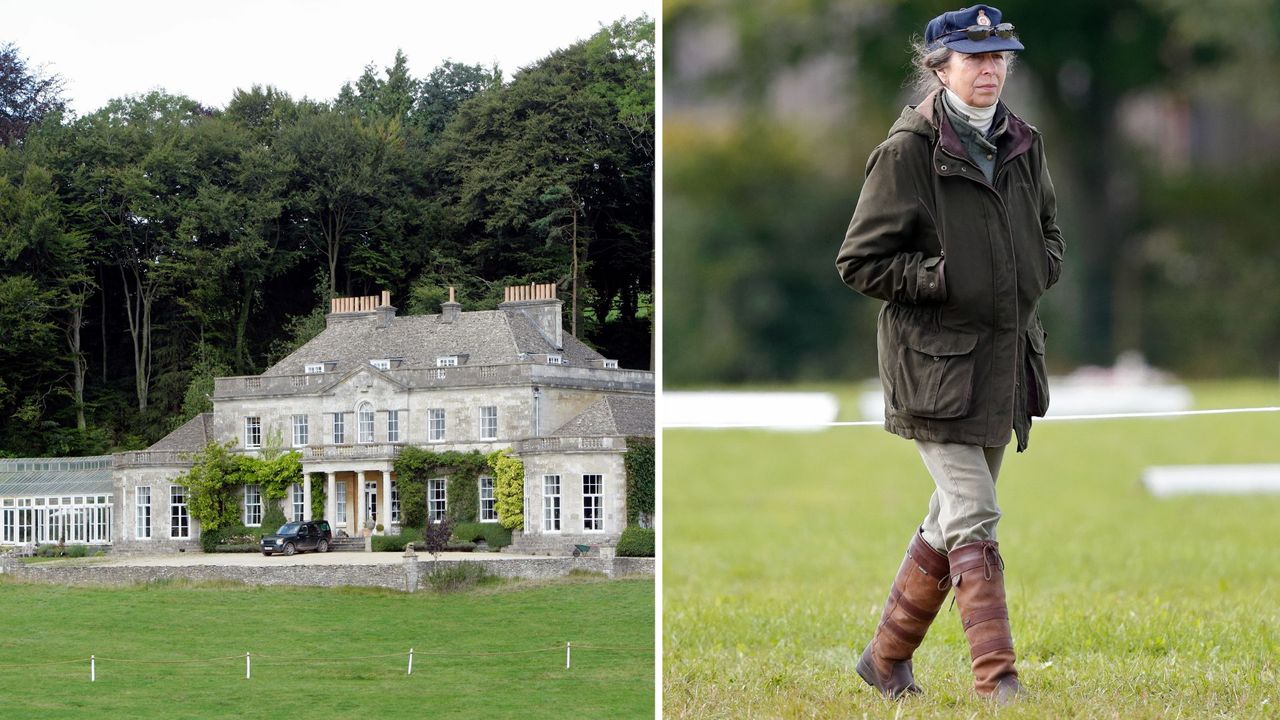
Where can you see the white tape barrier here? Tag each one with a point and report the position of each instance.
(796, 411)
(1167, 481)
(1051, 418)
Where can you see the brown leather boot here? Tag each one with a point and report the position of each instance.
(914, 599)
(977, 574)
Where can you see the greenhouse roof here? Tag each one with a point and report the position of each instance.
(40, 477)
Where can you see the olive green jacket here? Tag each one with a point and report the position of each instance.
(961, 265)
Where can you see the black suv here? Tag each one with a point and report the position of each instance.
(295, 537)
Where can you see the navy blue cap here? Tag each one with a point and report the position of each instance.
(947, 29)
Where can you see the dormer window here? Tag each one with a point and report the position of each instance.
(555, 360)
(314, 368)
(610, 364)
(381, 363)
(447, 361)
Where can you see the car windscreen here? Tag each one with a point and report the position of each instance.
(289, 528)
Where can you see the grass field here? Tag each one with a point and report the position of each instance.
(779, 548)
(292, 631)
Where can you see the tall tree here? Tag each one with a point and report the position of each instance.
(26, 95)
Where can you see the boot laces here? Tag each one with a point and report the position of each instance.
(988, 551)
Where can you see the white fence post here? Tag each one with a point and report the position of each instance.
(248, 667)
(567, 650)
(410, 662)
(93, 669)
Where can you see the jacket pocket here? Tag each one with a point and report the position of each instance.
(1037, 375)
(935, 374)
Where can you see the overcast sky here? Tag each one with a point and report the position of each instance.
(109, 48)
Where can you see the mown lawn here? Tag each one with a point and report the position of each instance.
(779, 547)
(295, 634)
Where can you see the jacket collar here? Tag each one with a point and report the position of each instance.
(1014, 141)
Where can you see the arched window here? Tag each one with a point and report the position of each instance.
(364, 415)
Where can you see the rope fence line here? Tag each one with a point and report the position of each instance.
(93, 660)
(1051, 418)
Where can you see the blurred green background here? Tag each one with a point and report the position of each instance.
(1160, 124)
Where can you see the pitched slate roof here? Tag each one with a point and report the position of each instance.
(612, 415)
(35, 477)
(482, 337)
(193, 435)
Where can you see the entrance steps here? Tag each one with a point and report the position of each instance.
(347, 544)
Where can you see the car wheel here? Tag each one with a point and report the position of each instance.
(323, 546)
(289, 549)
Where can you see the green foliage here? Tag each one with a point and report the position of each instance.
(641, 486)
(272, 517)
(217, 475)
(636, 541)
(319, 489)
(415, 466)
(508, 488)
(493, 534)
(459, 576)
(396, 543)
(232, 538)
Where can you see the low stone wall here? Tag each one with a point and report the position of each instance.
(405, 576)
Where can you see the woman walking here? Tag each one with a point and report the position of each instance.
(956, 231)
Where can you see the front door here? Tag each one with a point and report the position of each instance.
(371, 501)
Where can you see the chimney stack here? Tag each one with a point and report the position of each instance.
(386, 313)
(358, 308)
(540, 304)
(449, 311)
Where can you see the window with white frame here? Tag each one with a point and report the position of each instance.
(179, 520)
(252, 505)
(435, 425)
(381, 363)
(142, 513)
(488, 502)
(395, 502)
(537, 412)
(610, 364)
(489, 422)
(364, 423)
(447, 361)
(339, 428)
(551, 503)
(393, 426)
(592, 502)
(253, 432)
(301, 432)
(555, 360)
(340, 503)
(314, 368)
(298, 500)
(435, 499)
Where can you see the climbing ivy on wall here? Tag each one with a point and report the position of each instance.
(216, 476)
(508, 489)
(639, 462)
(415, 466)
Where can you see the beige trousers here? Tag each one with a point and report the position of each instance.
(963, 507)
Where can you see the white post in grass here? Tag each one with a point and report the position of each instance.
(93, 669)
(568, 648)
(410, 662)
(248, 667)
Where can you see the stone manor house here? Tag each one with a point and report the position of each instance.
(349, 400)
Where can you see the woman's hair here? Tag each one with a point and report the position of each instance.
(925, 63)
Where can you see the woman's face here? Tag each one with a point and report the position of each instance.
(977, 79)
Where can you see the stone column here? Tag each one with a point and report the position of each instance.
(306, 497)
(386, 499)
(359, 514)
(331, 503)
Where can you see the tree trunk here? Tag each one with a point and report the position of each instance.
(78, 363)
(138, 310)
(574, 310)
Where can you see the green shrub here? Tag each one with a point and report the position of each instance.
(77, 551)
(273, 518)
(396, 543)
(48, 550)
(458, 576)
(232, 538)
(639, 463)
(494, 535)
(636, 542)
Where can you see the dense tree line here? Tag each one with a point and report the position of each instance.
(155, 243)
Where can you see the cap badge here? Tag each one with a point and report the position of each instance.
(982, 18)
